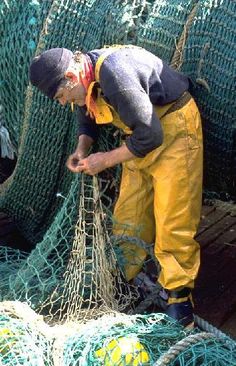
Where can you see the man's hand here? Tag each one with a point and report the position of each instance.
(84, 144)
(74, 160)
(96, 163)
(93, 164)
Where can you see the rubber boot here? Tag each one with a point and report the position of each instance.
(180, 306)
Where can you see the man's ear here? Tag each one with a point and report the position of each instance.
(71, 76)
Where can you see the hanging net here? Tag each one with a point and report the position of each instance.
(196, 36)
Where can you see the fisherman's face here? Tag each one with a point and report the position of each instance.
(71, 93)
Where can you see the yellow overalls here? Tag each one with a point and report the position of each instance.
(160, 194)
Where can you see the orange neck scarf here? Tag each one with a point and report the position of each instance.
(87, 77)
(86, 71)
(97, 108)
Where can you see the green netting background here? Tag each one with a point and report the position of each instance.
(44, 133)
(71, 274)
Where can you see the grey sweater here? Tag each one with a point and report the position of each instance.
(133, 80)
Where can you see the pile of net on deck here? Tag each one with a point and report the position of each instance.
(71, 273)
(112, 340)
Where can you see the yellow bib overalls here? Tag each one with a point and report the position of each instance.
(160, 194)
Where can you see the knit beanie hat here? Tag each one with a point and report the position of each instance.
(47, 70)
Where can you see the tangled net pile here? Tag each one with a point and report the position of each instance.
(114, 339)
(71, 274)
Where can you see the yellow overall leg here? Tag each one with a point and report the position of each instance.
(174, 172)
(133, 216)
(177, 177)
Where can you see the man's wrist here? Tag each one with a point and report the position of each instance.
(117, 156)
(108, 162)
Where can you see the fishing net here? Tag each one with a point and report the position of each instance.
(74, 270)
(22, 340)
(72, 273)
(140, 340)
(209, 59)
(44, 134)
(111, 340)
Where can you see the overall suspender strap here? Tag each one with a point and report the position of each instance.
(108, 51)
(98, 108)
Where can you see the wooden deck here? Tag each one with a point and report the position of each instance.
(215, 292)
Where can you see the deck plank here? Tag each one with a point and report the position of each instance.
(216, 229)
(228, 237)
(207, 221)
(215, 290)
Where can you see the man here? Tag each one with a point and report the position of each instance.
(160, 192)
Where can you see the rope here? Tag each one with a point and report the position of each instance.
(204, 325)
(209, 332)
(180, 346)
(199, 79)
(177, 59)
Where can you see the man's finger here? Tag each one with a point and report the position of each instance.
(75, 161)
(74, 168)
(79, 169)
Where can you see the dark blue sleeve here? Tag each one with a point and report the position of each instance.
(137, 112)
(87, 126)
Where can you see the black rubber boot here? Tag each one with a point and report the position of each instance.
(182, 309)
(183, 312)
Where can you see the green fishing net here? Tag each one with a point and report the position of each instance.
(22, 343)
(111, 340)
(196, 36)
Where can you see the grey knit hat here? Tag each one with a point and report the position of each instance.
(47, 70)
